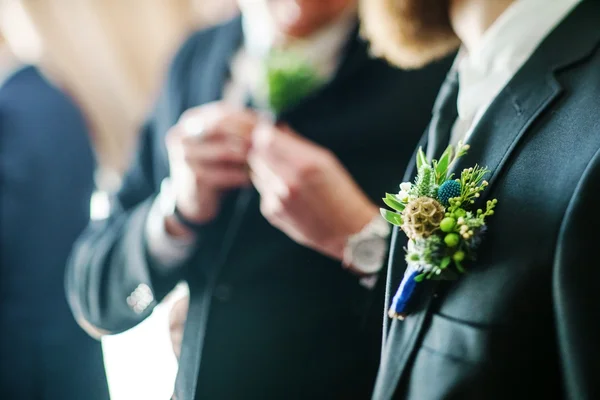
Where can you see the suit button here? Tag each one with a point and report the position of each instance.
(222, 292)
(140, 298)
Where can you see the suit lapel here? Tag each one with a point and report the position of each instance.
(496, 137)
(211, 81)
(508, 118)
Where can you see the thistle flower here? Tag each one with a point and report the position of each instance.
(448, 190)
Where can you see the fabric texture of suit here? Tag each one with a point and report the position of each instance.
(46, 177)
(268, 318)
(523, 322)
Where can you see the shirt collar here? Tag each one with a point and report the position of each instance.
(504, 48)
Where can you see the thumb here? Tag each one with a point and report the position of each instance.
(263, 137)
(289, 133)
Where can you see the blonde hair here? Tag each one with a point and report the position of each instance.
(408, 33)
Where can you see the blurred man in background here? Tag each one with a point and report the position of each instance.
(273, 222)
(46, 173)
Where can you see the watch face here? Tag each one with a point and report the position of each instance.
(368, 255)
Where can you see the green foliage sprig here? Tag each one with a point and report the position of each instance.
(289, 80)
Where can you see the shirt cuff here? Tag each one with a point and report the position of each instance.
(167, 251)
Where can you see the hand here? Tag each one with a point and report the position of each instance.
(177, 318)
(306, 192)
(208, 151)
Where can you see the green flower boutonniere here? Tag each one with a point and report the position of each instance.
(289, 80)
(438, 214)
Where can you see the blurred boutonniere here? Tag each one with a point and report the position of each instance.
(289, 79)
(440, 218)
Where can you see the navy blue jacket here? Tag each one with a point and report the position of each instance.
(46, 179)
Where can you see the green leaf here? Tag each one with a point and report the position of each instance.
(445, 262)
(459, 267)
(393, 202)
(421, 158)
(391, 217)
(443, 163)
(419, 278)
(449, 153)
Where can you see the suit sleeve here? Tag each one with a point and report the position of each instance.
(111, 283)
(576, 284)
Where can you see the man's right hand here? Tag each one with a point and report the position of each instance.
(208, 150)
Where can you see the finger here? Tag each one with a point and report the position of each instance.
(222, 177)
(227, 152)
(206, 125)
(272, 209)
(228, 130)
(269, 180)
(265, 139)
(261, 186)
(278, 151)
(278, 140)
(278, 215)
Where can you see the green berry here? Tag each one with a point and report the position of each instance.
(452, 239)
(459, 256)
(460, 212)
(448, 224)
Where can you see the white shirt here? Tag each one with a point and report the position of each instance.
(485, 70)
(323, 51)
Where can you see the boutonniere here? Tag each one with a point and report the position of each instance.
(289, 79)
(438, 214)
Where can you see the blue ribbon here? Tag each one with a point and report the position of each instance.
(401, 300)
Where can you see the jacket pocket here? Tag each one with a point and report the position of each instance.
(451, 360)
(457, 340)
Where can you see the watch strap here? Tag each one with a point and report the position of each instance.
(194, 227)
(169, 208)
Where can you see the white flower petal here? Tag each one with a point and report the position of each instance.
(405, 186)
(402, 196)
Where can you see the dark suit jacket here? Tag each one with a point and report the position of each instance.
(268, 318)
(523, 322)
(46, 180)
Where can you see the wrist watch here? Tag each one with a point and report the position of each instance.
(365, 251)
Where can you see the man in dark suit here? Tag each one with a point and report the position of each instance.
(258, 216)
(47, 177)
(523, 321)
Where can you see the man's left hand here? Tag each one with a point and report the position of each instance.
(305, 190)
